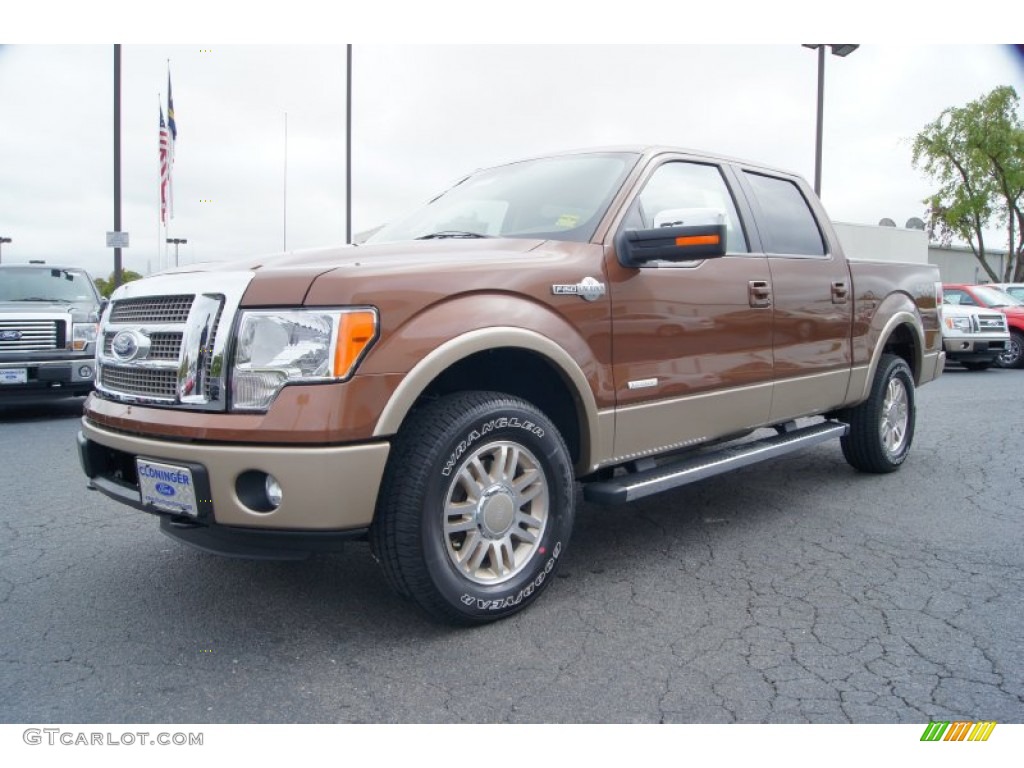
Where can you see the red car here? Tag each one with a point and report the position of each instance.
(993, 298)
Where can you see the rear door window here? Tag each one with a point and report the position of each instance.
(787, 225)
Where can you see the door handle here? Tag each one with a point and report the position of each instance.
(839, 292)
(759, 293)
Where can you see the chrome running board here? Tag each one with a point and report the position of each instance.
(630, 487)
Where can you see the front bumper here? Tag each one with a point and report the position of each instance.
(972, 349)
(51, 378)
(325, 489)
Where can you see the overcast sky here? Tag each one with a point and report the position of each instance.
(423, 116)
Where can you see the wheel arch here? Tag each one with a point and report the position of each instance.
(903, 336)
(513, 361)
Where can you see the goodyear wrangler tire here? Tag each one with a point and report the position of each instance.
(476, 507)
(882, 427)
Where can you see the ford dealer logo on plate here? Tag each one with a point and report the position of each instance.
(165, 489)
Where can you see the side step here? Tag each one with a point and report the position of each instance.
(621, 490)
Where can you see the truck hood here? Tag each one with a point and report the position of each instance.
(287, 278)
(80, 310)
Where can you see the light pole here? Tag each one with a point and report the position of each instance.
(176, 241)
(838, 49)
(2, 241)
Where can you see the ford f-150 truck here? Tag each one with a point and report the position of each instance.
(48, 321)
(611, 320)
(972, 336)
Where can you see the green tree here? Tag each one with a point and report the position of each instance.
(106, 287)
(975, 154)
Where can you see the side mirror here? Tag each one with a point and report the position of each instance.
(636, 247)
(679, 234)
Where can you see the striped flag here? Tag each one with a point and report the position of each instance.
(170, 144)
(165, 168)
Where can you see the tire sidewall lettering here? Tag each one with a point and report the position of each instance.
(485, 429)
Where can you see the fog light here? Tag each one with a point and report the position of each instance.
(85, 372)
(259, 491)
(274, 492)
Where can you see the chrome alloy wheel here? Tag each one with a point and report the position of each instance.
(895, 417)
(495, 512)
(1011, 356)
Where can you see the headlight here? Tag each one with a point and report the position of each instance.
(279, 347)
(82, 335)
(959, 324)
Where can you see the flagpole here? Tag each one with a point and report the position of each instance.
(159, 222)
(348, 147)
(117, 161)
(285, 222)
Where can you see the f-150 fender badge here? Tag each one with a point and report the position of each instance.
(588, 288)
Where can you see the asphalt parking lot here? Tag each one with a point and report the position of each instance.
(794, 591)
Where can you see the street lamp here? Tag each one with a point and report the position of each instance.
(176, 241)
(2, 241)
(838, 49)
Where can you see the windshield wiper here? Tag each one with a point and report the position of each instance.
(40, 298)
(450, 233)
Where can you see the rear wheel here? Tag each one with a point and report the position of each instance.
(476, 507)
(882, 427)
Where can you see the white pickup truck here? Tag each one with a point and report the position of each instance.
(973, 336)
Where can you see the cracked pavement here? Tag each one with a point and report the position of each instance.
(793, 591)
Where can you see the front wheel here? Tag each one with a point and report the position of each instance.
(476, 507)
(1013, 357)
(882, 427)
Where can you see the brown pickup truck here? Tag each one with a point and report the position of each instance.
(621, 321)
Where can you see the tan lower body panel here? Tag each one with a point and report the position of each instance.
(808, 395)
(332, 488)
(934, 362)
(659, 426)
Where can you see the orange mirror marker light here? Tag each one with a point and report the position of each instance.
(356, 331)
(698, 240)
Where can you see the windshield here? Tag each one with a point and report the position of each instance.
(993, 297)
(42, 284)
(557, 198)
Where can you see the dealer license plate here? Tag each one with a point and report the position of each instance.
(167, 487)
(13, 375)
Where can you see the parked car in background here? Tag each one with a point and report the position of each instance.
(993, 298)
(1014, 289)
(974, 337)
(48, 321)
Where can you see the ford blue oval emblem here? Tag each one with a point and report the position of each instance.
(164, 489)
(125, 345)
(10, 335)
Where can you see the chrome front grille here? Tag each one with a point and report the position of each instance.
(145, 382)
(25, 335)
(161, 340)
(152, 309)
(991, 322)
(164, 346)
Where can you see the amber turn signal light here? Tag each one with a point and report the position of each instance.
(356, 332)
(698, 240)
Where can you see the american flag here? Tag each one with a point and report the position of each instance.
(165, 168)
